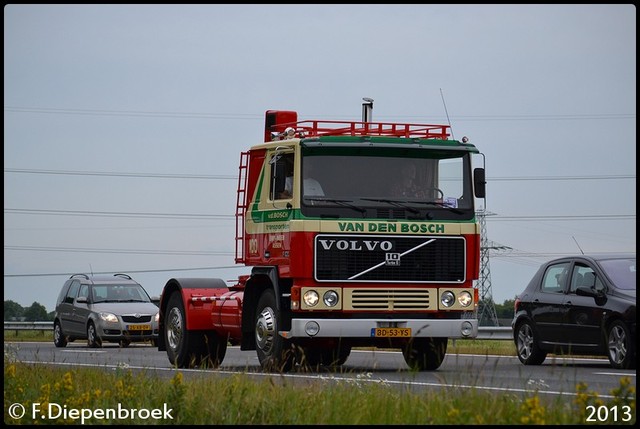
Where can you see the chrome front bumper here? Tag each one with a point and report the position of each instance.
(365, 328)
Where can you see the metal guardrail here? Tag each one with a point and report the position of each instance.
(28, 326)
(484, 332)
(495, 333)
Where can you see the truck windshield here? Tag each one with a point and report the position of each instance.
(408, 183)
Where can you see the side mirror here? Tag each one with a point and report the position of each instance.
(82, 299)
(479, 182)
(599, 297)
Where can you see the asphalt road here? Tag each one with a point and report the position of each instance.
(498, 374)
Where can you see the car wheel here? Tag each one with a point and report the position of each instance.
(527, 347)
(93, 340)
(425, 354)
(59, 338)
(621, 349)
(274, 352)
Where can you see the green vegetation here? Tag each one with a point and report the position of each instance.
(220, 399)
(35, 313)
(34, 335)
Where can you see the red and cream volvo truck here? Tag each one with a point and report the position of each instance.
(358, 234)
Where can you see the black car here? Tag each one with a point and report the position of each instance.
(579, 305)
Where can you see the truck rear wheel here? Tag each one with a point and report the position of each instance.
(188, 349)
(425, 354)
(274, 352)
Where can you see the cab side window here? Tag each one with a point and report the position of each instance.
(281, 176)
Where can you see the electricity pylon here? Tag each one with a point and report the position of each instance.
(486, 307)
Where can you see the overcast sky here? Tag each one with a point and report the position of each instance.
(123, 124)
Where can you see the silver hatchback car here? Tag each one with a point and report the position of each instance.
(104, 308)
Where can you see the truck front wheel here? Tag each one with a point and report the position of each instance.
(274, 352)
(425, 354)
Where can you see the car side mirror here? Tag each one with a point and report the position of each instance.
(599, 296)
(82, 299)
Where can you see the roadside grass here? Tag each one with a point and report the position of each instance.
(93, 396)
(28, 335)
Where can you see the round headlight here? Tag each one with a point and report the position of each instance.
(447, 299)
(311, 298)
(330, 298)
(465, 299)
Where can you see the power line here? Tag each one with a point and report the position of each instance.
(121, 174)
(567, 217)
(117, 251)
(603, 177)
(129, 271)
(255, 116)
(117, 214)
(229, 217)
(98, 112)
(232, 177)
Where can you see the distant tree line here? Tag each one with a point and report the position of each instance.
(35, 313)
(38, 313)
(505, 310)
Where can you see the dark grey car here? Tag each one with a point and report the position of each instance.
(104, 308)
(581, 305)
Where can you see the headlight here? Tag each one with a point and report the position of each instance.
(311, 298)
(465, 299)
(109, 317)
(447, 299)
(157, 317)
(330, 298)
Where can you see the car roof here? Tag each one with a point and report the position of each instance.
(105, 279)
(597, 256)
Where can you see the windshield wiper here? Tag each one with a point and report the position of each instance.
(345, 203)
(394, 203)
(439, 204)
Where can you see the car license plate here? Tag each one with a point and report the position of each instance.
(391, 332)
(139, 327)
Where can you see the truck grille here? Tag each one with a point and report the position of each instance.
(368, 258)
(390, 299)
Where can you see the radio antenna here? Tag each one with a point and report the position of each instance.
(574, 239)
(447, 113)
